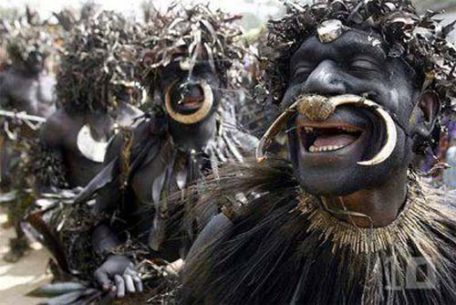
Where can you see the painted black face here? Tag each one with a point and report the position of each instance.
(326, 154)
(188, 94)
(35, 62)
(186, 89)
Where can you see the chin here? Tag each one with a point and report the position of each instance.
(341, 182)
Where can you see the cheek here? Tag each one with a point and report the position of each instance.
(291, 94)
(402, 155)
(394, 100)
(215, 84)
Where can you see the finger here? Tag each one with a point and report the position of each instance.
(129, 271)
(138, 283)
(102, 278)
(129, 283)
(112, 293)
(120, 284)
(136, 279)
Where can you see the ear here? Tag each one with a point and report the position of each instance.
(426, 113)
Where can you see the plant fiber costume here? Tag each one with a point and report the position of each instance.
(191, 56)
(347, 220)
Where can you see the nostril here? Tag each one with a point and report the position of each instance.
(193, 92)
(337, 86)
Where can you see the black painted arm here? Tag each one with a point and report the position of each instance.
(104, 239)
(4, 95)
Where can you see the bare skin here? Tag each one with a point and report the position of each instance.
(60, 133)
(381, 206)
(23, 90)
(24, 87)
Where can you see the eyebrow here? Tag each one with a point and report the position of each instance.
(374, 46)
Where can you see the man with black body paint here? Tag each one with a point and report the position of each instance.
(347, 217)
(25, 86)
(97, 93)
(191, 130)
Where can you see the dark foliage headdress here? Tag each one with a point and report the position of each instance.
(25, 40)
(99, 60)
(190, 35)
(419, 40)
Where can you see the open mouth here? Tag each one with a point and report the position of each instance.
(326, 138)
(189, 103)
(189, 99)
(319, 134)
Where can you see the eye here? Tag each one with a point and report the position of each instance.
(302, 70)
(364, 64)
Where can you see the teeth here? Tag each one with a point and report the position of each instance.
(314, 149)
(348, 129)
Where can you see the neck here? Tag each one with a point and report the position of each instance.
(377, 207)
(100, 124)
(27, 73)
(195, 136)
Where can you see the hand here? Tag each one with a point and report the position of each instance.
(118, 275)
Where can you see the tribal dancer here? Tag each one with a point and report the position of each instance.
(96, 92)
(191, 57)
(25, 87)
(347, 220)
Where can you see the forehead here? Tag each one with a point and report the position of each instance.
(180, 64)
(349, 43)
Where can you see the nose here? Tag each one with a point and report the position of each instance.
(191, 89)
(326, 79)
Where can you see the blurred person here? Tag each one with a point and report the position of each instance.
(25, 87)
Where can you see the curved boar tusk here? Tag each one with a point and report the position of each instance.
(319, 108)
(272, 131)
(391, 139)
(197, 116)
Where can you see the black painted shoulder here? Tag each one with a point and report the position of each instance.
(54, 129)
(145, 129)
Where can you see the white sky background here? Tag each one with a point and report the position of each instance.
(259, 9)
(132, 7)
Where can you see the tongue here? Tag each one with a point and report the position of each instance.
(334, 140)
(192, 101)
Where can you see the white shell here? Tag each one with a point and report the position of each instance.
(330, 30)
(89, 147)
